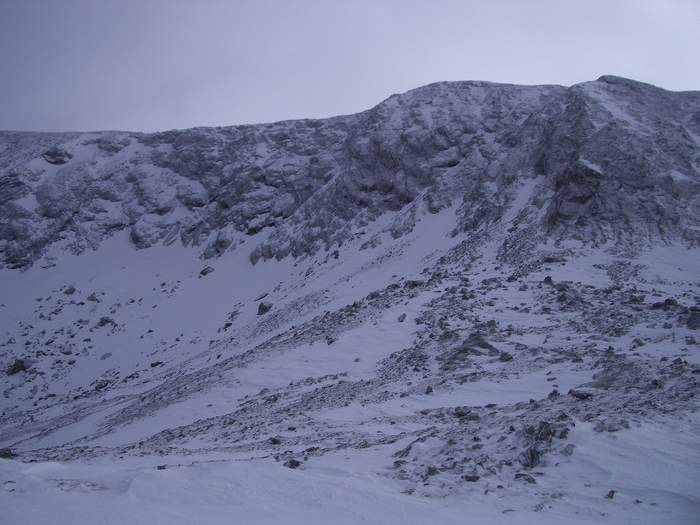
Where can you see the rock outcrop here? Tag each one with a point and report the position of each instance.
(610, 161)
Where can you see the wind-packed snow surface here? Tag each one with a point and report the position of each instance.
(474, 302)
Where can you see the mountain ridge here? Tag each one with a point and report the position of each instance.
(353, 167)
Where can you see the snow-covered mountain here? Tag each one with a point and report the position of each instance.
(484, 293)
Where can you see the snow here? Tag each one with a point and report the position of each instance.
(352, 364)
(591, 165)
(480, 394)
(129, 275)
(345, 489)
(678, 176)
(616, 108)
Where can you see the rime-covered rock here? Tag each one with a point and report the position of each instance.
(612, 160)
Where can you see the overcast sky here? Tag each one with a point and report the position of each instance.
(162, 64)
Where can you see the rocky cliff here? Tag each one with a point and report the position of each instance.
(614, 160)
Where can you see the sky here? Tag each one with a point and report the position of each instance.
(146, 65)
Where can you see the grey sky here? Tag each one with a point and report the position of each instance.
(161, 64)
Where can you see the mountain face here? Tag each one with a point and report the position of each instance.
(477, 285)
(614, 160)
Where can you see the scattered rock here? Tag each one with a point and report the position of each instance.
(667, 304)
(542, 432)
(530, 458)
(104, 321)
(56, 156)
(568, 450)
(19, 365)
(292, 463)
(525, 477)
(611, 425)
(580, 394)
(206, 271)
(693, 322)
(264, 307)
(461, 411)
(6, 453)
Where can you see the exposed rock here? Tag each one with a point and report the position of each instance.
(101, 384)
(530, 458)
(568, 449)
(667, 304)
(585, 178)
(292, 463)
(104, 321)
(317, 181)
(264, 307)
(525, 477)
(56, 156)
(582, 395)
(206, 271)
(693, 322)
(17, 366)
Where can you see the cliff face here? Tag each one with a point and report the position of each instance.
(614, 160)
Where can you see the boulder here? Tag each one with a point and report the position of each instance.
(581, 395)
(292, 463)
(56, 156)
(530, 458)
(206, 271)
(264, 307)
(17, 366)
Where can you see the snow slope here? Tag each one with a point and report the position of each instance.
(475, 301)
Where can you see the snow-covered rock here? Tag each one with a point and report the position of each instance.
(616, 159)
(481, 292)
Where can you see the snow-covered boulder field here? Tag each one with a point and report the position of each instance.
(474, 302)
